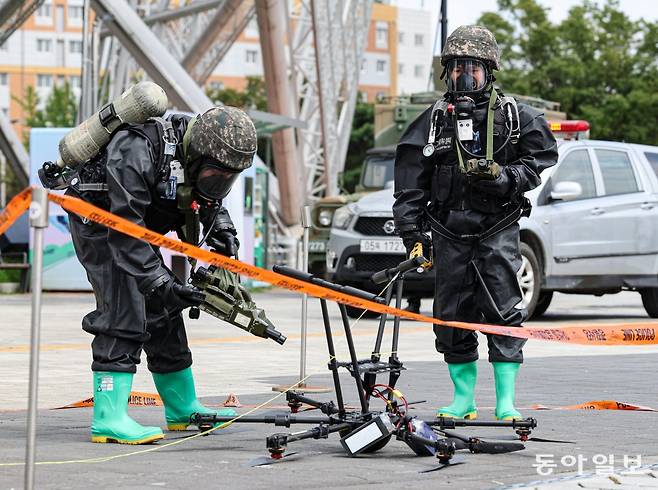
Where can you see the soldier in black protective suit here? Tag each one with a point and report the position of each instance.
(138, 299)
(461, 170)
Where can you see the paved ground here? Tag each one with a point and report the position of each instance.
(228, 361)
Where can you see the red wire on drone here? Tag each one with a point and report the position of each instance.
(380, 395)
(392, 390)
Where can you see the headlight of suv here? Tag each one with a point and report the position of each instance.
(324, 217)
(342, 218)
(331, 259)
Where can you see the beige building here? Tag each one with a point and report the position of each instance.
(397, 60)
(47, 50)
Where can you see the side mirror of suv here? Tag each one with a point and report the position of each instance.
(566, 191)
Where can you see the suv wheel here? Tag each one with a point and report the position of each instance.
(529, 277)
(319, 269)
(543, 303)
(650, 301)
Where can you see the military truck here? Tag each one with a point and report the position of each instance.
(392, 116)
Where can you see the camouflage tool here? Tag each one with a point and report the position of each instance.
(481, 168)
(227, 300)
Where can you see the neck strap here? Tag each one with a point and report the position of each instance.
(490, 124)
(490, 128)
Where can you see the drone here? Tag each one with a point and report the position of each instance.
(362, 429)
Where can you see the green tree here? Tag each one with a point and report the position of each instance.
(60, 109)
(30, 103)
(253, 97)
(599, 64)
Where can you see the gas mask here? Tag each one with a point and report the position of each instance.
(214, 181)
(467, 77)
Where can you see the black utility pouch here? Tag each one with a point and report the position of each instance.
(442, 183)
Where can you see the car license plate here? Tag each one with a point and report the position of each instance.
(382, 246)
(317, 246)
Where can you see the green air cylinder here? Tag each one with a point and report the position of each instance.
(135, 106)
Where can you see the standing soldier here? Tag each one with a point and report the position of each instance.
(461, 170)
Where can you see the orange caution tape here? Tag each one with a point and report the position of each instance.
(137, 399)
(87, 402)
(598, 405)
(17, 206)
(611, 334)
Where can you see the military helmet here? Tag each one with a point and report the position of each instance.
(224, 134)
(472, 42)
(218, 145)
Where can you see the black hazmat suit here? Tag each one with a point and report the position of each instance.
(123, 270)
(476, 279)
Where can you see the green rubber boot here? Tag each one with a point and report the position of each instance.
(463, 376)
(180, 401)
(111, 422)
(505, 378)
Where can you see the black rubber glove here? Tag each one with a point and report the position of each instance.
(177, 296)
(411, 239)
(225, 242)
(223, 235)
(500, 186)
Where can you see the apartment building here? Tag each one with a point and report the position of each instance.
(414, 50)
(397, 60)
(47, 50)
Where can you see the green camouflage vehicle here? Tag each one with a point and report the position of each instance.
(391, 120)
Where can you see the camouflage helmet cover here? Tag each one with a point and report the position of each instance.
(225, 134)
(472, 42)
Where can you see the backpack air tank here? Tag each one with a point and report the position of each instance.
(84, 142)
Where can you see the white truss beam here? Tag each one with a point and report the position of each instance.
(230, 19)
(12, 15)
(12, 148)
(152, 55)
(313, 84)
(326, 51)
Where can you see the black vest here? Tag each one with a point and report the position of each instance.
(451, 189)
(162, 215)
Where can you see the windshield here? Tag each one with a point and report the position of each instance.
(377, 171)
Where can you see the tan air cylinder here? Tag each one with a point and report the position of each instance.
(135, 105)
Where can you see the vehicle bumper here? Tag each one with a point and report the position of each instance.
(355, 268)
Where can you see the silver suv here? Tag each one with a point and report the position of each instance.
(593, 229)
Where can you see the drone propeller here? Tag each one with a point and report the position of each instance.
(267, 460)
(477, 445)
(416, 402)
(517, 438)
(539, 439)
(454, 461)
